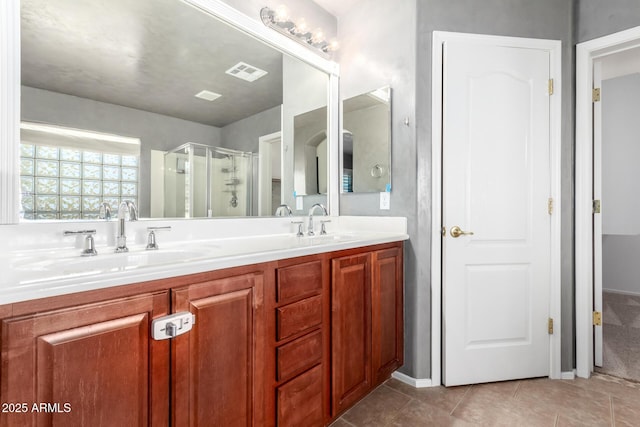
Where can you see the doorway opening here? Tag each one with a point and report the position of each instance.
(269, 173)
(600, 232)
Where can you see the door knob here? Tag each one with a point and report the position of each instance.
(457, 232)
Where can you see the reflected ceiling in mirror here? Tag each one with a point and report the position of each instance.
(134, 68)
(366, 154)
(151, 55)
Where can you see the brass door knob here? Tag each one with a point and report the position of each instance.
(457, 232)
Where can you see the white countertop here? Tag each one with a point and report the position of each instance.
(55, 267)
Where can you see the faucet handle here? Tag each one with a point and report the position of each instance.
(89, 245)
(151, 240)
(82, 232)
(300, 223)
(105, 211)
(323, 228)
(166, 227)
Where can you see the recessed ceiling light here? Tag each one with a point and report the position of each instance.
(207, 95)
(247, 72)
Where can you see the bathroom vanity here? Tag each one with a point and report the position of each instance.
(295, 338)
(230, 322)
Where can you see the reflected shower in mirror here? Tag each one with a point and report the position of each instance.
(166, 74)
(366, 154)
(202, 181)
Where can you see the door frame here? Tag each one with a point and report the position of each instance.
(265, 149)
(554, 48)
(586, 53)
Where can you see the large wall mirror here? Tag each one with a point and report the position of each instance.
(366, 142)
(158, 102)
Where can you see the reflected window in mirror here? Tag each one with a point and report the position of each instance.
(70, 173)
(366, 142)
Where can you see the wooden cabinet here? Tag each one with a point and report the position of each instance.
(294, 342)
(298, 344)
(367, 323)
(95, 364)
(214, 377)
(387, 322)
(98, 362)
(350, 329)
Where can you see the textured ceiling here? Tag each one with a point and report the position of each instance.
(153, 55)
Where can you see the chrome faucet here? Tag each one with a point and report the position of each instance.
(311, 211)
(126, 210)
(105, 211)
(283, 210)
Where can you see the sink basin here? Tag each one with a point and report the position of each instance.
(40, 265)
(103, 262)
(326, 239)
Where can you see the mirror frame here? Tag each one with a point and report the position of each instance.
(10, 89)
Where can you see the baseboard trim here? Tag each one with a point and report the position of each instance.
(616, 291)
(426, 382)
(414, 382)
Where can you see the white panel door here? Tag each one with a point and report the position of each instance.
(496, 185)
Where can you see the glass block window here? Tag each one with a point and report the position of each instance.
(71, 183)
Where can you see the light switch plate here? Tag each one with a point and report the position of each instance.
(299, 203)
(385, 200)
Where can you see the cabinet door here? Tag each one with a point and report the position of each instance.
(92, 365)
(213, 375)
(351, 330)
(387, 313)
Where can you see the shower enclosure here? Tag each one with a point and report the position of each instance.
(205, 181)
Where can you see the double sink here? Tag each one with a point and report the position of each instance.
(70, 263)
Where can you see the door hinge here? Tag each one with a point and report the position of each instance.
(597, 318)
(596, 206)
(550, 86)
(596, 94)
(550, 326)
(550, 205)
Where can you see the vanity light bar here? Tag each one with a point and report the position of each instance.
(279, 20)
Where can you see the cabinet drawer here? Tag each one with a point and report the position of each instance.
(299, 316)
(299, 355)
(298, 281)
(300, 400)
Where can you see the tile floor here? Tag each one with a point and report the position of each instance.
(621, 333)
(599, 401)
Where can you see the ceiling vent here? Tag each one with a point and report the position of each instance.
(247, 72)
(207, 95)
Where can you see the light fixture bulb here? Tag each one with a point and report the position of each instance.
(302, 27)
(333, 46)
(318, 36)
(282, 14)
